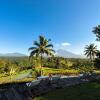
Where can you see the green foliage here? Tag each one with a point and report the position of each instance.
(15, 77)
(24, 63)
(96, 31)
(51, 65)
(90, 51)
(37, 72)
(41, 46)
(86, 69)
(97, 60)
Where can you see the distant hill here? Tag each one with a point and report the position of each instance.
(59, 53)
(13, 55)
(67, 54)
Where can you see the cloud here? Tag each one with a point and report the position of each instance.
(65, 44)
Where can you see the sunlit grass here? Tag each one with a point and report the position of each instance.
(13, 78)
(47, 71)
(97, 71)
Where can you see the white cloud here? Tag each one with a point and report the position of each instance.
(65, 44)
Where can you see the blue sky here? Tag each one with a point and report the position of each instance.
(67, 22)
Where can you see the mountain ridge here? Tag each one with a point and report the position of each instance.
(67, 54)
(16, 54)
(59, 53)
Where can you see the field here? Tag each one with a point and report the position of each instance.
(18, 77)
(24, 76)
(89, 91)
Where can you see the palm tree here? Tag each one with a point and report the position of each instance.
(98, 54)
(96, 31)
(41, 47)
(90, 51)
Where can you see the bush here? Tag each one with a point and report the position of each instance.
(97, 62)
(86, 69)
(37, 72)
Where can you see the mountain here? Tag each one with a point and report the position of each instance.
(12, 55)
(67, 54)
(59, 53)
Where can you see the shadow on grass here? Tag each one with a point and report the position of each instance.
(89, 91)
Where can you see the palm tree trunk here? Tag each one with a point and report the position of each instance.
(41, 64)
(90, 58)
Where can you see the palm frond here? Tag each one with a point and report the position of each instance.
(34, 52)
(90, 51)
(49, 53)
(41, 40)
(51, 50)
(36, 43)
(42, 47)
(32, 48)
(49, 45)
(96, 31)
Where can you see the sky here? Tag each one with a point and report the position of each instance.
(68, 23)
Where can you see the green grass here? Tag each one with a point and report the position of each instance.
(47, 71)
(89, 91)
(12, 79)
(97, 71)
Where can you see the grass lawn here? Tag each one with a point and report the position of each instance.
(89, 91)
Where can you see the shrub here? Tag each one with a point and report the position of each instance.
(86, 69)
(97, 62)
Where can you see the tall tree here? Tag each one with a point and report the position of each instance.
(96, 31)
(98, 54)
(97, 60)
(90, 51)
(42, 47)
